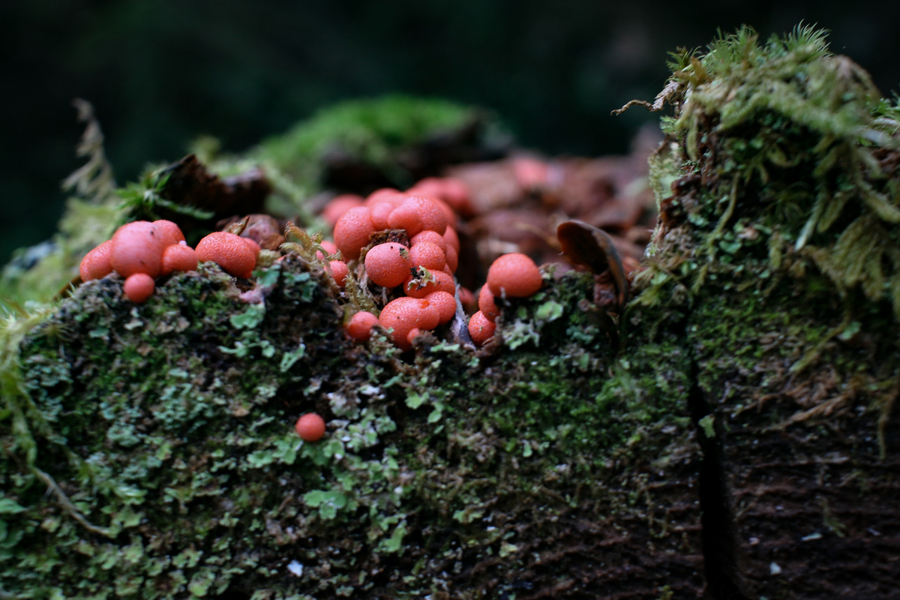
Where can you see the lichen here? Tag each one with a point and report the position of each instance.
(168, 428)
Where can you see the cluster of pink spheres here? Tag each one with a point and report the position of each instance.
(425, 269)
(141, 251)
(428, 213)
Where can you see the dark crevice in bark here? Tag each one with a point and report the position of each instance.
(719, 554)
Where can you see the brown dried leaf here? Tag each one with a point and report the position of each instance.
(593, 248)
(190, 184)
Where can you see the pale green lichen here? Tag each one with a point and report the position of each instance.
(177, 418)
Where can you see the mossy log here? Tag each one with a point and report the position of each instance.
(736, 436)
(175, 469)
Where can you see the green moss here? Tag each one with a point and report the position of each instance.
(795, 140)
(370, 131)
(773, 272)
(203, 444)
(777, 189)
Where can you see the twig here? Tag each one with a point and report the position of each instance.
(70, 508)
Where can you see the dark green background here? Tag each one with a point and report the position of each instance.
(162, 72)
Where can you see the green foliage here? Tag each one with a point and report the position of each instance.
(17, 407)
(93, 180)
(786, 133)
(142, 200)
(739, 77)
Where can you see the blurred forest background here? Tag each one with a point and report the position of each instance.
(160, 72)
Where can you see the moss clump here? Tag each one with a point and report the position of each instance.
(788, 149)
(782, 175)
(376, 132)
(171, 436)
